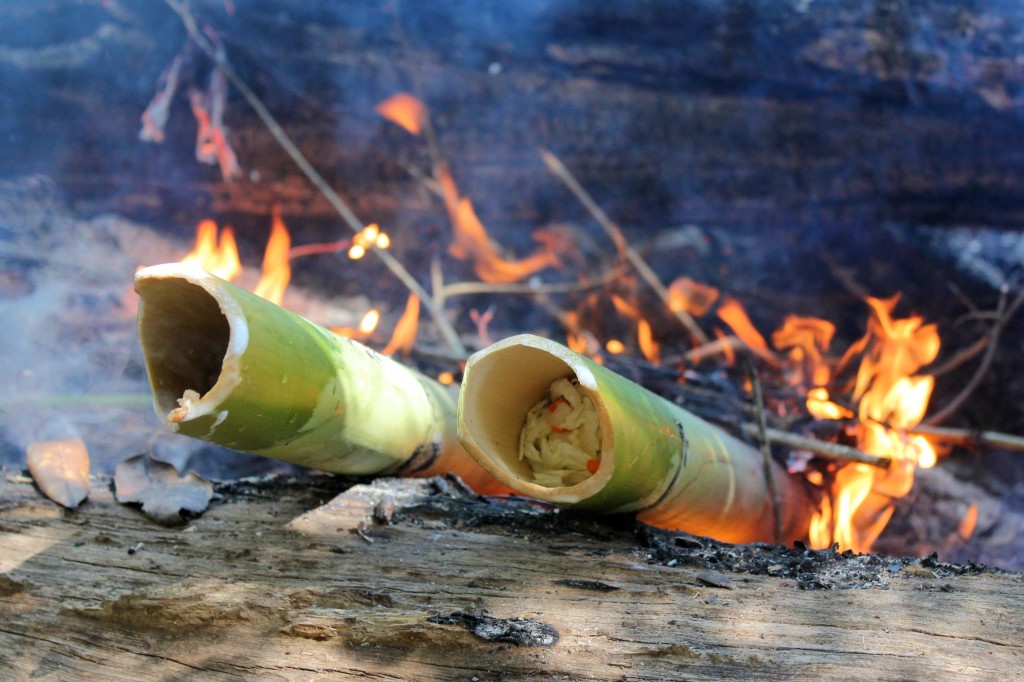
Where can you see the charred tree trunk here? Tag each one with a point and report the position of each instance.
(417, 580)
(738, 113)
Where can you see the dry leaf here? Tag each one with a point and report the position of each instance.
(162, 493)
(61, 469)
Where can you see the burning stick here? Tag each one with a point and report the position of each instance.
(230, 368)
(654, 457)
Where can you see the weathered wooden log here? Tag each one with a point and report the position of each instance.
(729, 113)
(446, 586)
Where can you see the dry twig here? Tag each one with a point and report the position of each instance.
(766, 450)
(1005, 313)
(833, 451)
(615, 233)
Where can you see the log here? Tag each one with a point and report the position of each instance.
(732, 113)
(444, 585)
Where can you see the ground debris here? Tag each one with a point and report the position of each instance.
(163, 494)
(518, 631)
(811, 569)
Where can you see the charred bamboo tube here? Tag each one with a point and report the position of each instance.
(231, 368)
(676, 470)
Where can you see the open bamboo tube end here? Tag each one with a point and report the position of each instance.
(192, 336)
(497, 393)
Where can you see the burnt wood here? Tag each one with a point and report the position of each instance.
(748, 112)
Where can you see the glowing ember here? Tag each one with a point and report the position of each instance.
(615, 347)
(220, 259)
(694, 298)
(405, 329)
(277, 271)
(473, 243)
(404, 110)
(369, 236)
(446, 378)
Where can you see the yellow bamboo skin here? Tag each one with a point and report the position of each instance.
(676, 470)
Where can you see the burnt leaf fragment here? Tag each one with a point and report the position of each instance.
(163, 494)
(518, 631)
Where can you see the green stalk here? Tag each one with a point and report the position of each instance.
(228, 367)
(676, 470)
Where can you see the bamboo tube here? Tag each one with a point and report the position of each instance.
(676, 470)
(230, 368)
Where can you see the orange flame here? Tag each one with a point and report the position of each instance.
(645, 339)
(891, 399)
(217, 259)
(277, 271)
(404, 110)
(694, 298)
(472, 242)
(732, 313)
(967, 524)
(405, 329)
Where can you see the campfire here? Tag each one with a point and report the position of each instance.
(602, 367)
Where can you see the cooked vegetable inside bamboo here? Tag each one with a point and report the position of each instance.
(561, 440)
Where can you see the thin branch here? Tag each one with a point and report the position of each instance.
(312, 174)
(766, 450)
(466, 288)
(969, 438)
(1005, 313)
(833, 451)
(615, 233)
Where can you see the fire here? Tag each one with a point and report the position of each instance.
(405, 329)
(367, 324)
(404, 110)
(277, 271)
(733, 314)
(472, 242)
(891, 399)
(220, 259)
(693, 297)
(645, 339)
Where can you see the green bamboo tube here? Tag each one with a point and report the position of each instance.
(231, 368)
(676, 470)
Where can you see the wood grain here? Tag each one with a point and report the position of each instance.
(265, 585)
